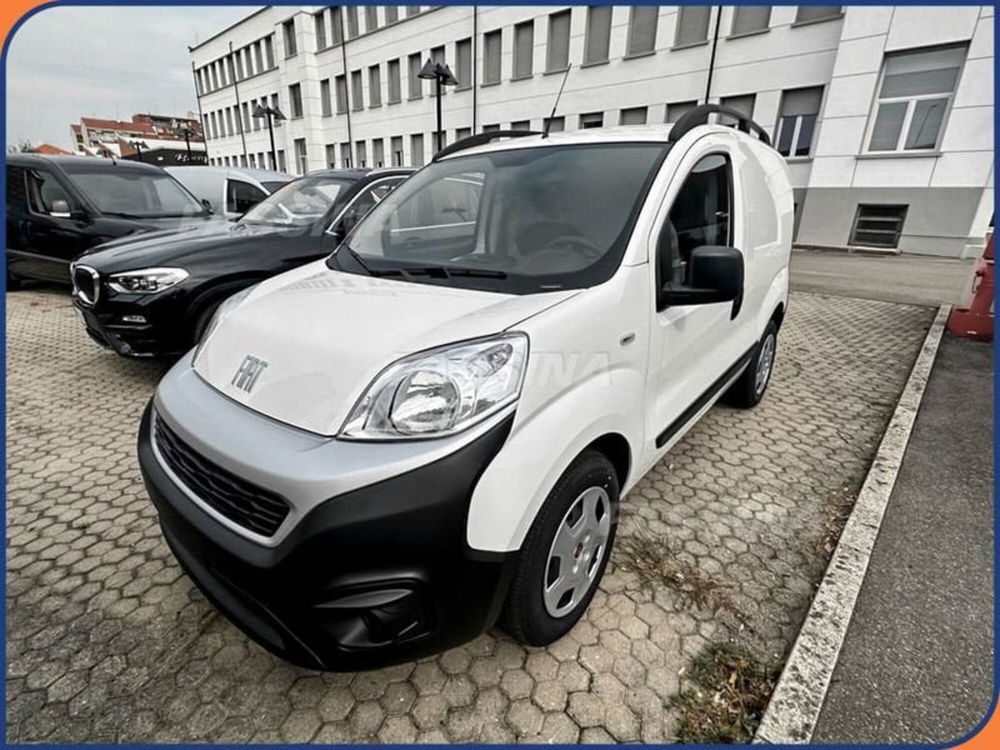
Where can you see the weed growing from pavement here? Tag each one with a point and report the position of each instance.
(727, 696)
(653, 561)
(836, 510)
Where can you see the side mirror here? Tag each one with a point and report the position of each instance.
(715, 275)
(60, 209)
(207, 205)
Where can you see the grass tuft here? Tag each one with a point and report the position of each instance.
(727, 698)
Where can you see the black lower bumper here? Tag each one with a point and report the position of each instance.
(151, 339)
(376, 576)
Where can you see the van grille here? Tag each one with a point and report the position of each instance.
(252, 507)
(86, 284)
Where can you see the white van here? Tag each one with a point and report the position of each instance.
(379, 455)
(230, 191)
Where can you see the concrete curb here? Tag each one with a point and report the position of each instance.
(795, 706)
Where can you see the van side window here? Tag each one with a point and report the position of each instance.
(700, 216)
(43, 191)
(17, 195)
(242, 196)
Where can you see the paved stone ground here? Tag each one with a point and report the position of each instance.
(108, 641)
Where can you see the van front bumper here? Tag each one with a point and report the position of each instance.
(378, 575)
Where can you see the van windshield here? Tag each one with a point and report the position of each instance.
(135, 194)
(520, 220)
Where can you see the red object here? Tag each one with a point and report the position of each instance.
(974, 320)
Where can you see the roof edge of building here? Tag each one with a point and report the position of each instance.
(216, 35)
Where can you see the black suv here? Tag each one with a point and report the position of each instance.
(59, 207)
(154, 295)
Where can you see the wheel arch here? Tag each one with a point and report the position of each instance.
(616, 449)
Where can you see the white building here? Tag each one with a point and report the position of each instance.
(885, 113)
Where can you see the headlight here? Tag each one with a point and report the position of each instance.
(225, 308)
(441, 391)
(146, 280)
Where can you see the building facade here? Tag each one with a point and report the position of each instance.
(884, 113)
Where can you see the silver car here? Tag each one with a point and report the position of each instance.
(231, 191)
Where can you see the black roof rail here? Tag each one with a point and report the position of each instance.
(479, 139)
(699, 116)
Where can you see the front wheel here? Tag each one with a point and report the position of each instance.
(565, 553)
(750, 387)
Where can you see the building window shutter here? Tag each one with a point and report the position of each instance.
(633, 116)
(463, 63)
(557, 57)
(492, 42)
(598, 33)
(415, 89)
(374, 86)
(750, 18)
(642, 29)
(692, 24)
(807, 13)
(524, 48)
(394, 84)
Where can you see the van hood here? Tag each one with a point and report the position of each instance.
(324, 336)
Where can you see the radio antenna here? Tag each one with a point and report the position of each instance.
(548, 122)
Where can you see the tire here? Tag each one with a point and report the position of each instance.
(530, 615)
(748, 390)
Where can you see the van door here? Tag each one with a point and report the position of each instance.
(693, 348)
(52, 232)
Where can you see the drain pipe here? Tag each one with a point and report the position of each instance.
(475, 67)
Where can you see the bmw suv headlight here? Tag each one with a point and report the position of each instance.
(441, 391)
(146, 280)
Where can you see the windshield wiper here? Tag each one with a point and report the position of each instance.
(446, 272)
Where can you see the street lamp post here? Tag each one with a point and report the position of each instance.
(271, 113)
(138, 146)
(441, 74)
(187, 141)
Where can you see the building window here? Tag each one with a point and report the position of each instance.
(677, 110)
(345, 156)
(336, 26)
(417, 150)
(742, 103)
(274, 105)
(375, 86)
(295, 100)
(288, 29)
(341, 92)
(810, 13)
(642, 29)
(491, 128)
(412, 10)
(521, 125)
(591, 120)
(245, 123)
(797, 123)
(301, 162)
(914, 96)
(396, 146)
(371, 17)
(598, 34)
(269, 51)
(748, 19)
(352, 21)
(230, 130)
(324, 97)
(437, 56)
(331, 155)
(878, 226)
(463, 63)
(237, 61)
(633, 116)
(415, 87)
(258, 51)
(524, 49)
(378, 152)
(554, 124)
(692, 25)
(362, 154)
(557, 50)
(320, 20)
(281, 161)
(391, 14)
(357, 96)
(461, 133)
(394, 88)
(491, 48)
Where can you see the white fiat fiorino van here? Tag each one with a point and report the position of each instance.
(379, 455)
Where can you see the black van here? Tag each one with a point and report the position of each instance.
(59, 207)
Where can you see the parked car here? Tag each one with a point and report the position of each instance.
(374, 456)
(154, 295)
(60, 206)
(231, 191)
